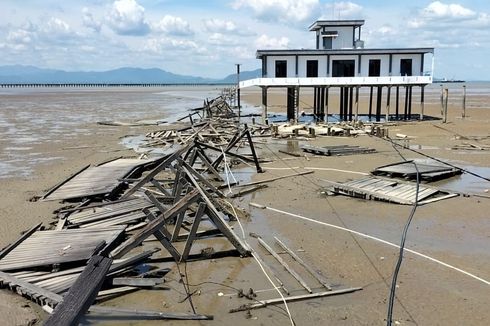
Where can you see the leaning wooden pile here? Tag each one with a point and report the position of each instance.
(89, 256)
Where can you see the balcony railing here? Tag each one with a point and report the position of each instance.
(338, 81)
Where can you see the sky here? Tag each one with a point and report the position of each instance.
(207, 38)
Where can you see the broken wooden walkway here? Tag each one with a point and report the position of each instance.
(389, 190)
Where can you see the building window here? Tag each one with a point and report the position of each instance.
(406, 67)
(374, 68)
(343, 68)
(327, 43)
(312, 68)
(281, 68)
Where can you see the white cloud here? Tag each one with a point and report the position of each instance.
(20, 36)
(164, 45)
(221, 40)
(285, 11)
(266, 42)
(89, 21)
(56, 27)
(438, 9)
(343, 10)
(127, 17)
(219, 26)
(174, 26)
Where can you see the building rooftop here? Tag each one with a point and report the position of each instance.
(335, 23)
(260, 53)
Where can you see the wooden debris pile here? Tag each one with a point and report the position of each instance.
(337, 150)
(398, 192)
(347, 129)
(177, 200)
(426, 171)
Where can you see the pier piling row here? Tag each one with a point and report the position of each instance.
(348, 95)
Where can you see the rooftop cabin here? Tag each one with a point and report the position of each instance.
(337, 34)
(340, 59)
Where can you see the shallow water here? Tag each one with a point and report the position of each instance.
(37, 116)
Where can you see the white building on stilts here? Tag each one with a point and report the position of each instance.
(341, 62)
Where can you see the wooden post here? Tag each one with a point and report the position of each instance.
(341, 112)
(405, 112)
(351, 95)
(442, 100)
(264, 104)
(463, 114)
(388, 98)
(446, 95)
(397, 107)
(422, 102)
(81, 294)
(315, 101)
(370, 102)
(410, 102)
(379, 98)
(357, 104)
(296, 102)
(326, 104)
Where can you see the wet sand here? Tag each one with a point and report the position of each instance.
(455, 231)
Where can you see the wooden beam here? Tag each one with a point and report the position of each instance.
(24, 236)
(193, 231)
(164, 236)
(145, 314)
(155, 225)
(305, 265)
(155, 171)
(264, 303)
(82, 293)
(284, 264)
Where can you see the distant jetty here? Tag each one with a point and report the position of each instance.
(95, 85)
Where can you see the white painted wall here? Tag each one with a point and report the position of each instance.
(344, 57)
(271, 65)
(322, 65)
(385, 64)
(343, 41)
(416, 61)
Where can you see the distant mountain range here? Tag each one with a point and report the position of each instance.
(30, 74)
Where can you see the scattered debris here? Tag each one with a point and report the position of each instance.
(389, 190)
(427, 171)
(337, 150)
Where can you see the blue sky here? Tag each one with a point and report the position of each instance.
(206, 38)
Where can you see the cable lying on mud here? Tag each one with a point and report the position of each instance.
(482, 280)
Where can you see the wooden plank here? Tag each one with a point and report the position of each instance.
(25, 288)
(193, 231)
(264, 303)
(164, 236)
(155, 225)
(14, 244)
(138, 282)
(284, 264)
(219, 222)
(311, 270)
(49, 192)
(81, 295)
(145, 314)
(155, 171)
(274, 179)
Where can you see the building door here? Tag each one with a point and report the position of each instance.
(374, 68)
(343, 68)
(406, 67)
(281, 68)
(312, 68)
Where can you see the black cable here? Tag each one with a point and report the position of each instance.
(344, 225)
(389, 317)
(436, 159)
(189, 296)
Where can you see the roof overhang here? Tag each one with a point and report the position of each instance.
(335, 23)
(301, 52)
